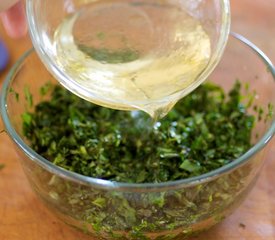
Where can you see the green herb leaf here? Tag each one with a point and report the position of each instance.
(28, 96)
(27, 118)
(190, 166)
(16, 94)
(100, 202)
(45, 88)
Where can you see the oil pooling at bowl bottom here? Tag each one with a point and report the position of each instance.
(145, 63)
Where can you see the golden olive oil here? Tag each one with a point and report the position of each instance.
(132, 55)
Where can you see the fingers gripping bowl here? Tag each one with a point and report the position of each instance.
(167, 210)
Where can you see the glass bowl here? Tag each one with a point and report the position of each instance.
(44, 17)
(173, 210)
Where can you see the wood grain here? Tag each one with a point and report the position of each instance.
(23, 216)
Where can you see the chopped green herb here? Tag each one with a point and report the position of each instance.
(16, 94)
(260, 113)
(122, 146)
(110, 56)
(270, 112)
(28, 96)
(46, 88)
(100, 202)
(205, 131)
(27, 118)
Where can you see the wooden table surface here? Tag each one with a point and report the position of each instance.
(23, 217)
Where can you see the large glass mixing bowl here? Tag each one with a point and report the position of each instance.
(173, 210)
(133, 89)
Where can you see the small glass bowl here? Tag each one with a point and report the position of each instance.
(173, 210)
(44, 18)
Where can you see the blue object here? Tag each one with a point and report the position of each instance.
(4, 56)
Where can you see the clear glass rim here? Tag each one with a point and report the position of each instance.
(82, 92)
(100, 183)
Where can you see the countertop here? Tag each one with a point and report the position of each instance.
(23, 216)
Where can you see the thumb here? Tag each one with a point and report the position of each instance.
(14, 20)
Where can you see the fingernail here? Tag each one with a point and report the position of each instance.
(14, 21)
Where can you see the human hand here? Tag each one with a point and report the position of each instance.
(12, 14)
